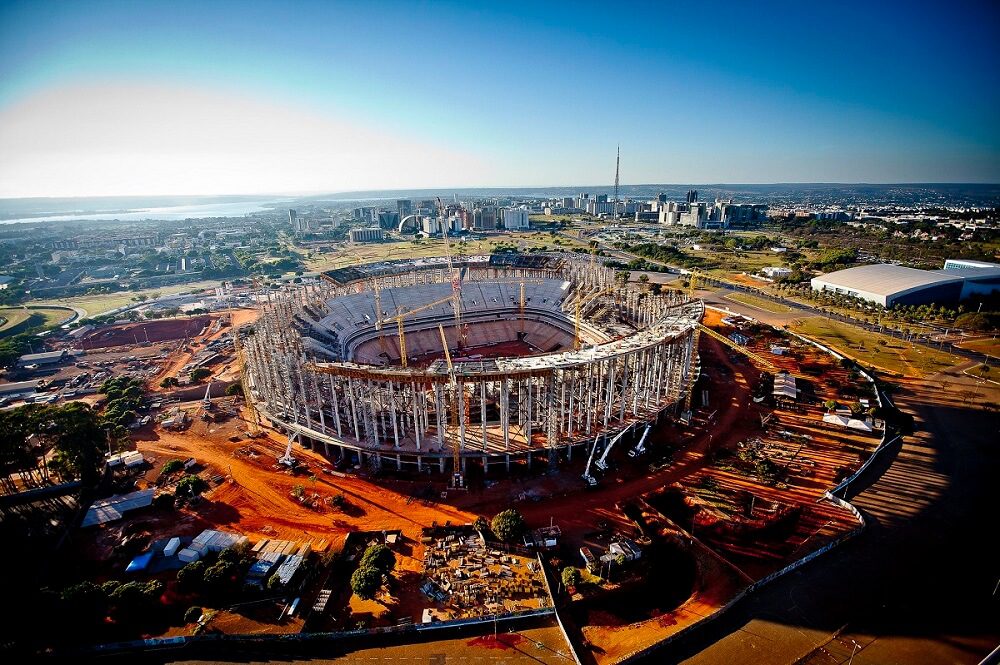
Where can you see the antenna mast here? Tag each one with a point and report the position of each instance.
(618, 160)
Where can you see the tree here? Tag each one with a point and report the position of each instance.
(200, 374)
(482, 525)
(234, 389)
(168, 382)
(274, 582)
(571, 576)
(508, 525)
(193, 614)
(379, 557)
(831, 405)
(192, 575)
(366, 581)
(190, 486)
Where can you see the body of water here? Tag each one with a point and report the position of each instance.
(165, 213)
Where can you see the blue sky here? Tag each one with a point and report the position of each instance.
(162, 98)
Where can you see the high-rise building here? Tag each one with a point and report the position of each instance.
(692, 196)
(292, 217)
(485, 218)
(387, 219)
(371, 234)
(661, 197)
(404, 207)
(515, 218)
(602, 198)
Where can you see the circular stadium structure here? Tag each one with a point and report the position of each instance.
(497, 359)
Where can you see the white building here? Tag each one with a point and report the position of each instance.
(776, 272)
(888, 285)
(515, 218)
(369, 234)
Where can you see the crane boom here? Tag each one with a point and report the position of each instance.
(458, 481)
(586, 471)
(602, 463)
(456, 277)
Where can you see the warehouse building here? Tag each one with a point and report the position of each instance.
(890, 285)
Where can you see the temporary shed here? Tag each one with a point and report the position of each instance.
(172, 546)
(111, 510)
(844, 421)
(188, 555)
(784, 386)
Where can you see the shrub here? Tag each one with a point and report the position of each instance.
(164, 502)
(571, 576)
(172, 466)
(366, 581)
(508, 525)
(200, 374)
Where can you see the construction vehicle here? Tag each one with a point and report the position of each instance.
(602, 463)
(457, 478)
(640, 447)
(287, 459)
(589, 479)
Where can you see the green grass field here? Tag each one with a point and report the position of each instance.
(16, 319)
(863, 346)
(759, 303)
(988, 346)
(352, 255)
(96, 305)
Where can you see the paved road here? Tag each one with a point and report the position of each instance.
(917, 586)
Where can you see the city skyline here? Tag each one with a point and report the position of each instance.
(106, 99)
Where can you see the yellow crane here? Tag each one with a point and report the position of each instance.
(403, 315)
(458, 481)
(456, 277)
(738, 347)
(521, 282)
(760, 360)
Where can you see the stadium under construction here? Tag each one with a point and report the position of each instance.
(430, 365)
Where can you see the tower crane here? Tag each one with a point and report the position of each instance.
(760, 360)
(456, 276)
(457, 479)
(403, 315)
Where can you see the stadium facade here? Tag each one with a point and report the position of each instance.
(526, 380)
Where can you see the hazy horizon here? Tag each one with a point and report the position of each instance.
(309, 98)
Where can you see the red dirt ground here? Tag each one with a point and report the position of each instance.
(155, 331)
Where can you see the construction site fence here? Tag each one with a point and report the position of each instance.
(353, 639)
(889, 437)
(546, 575)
